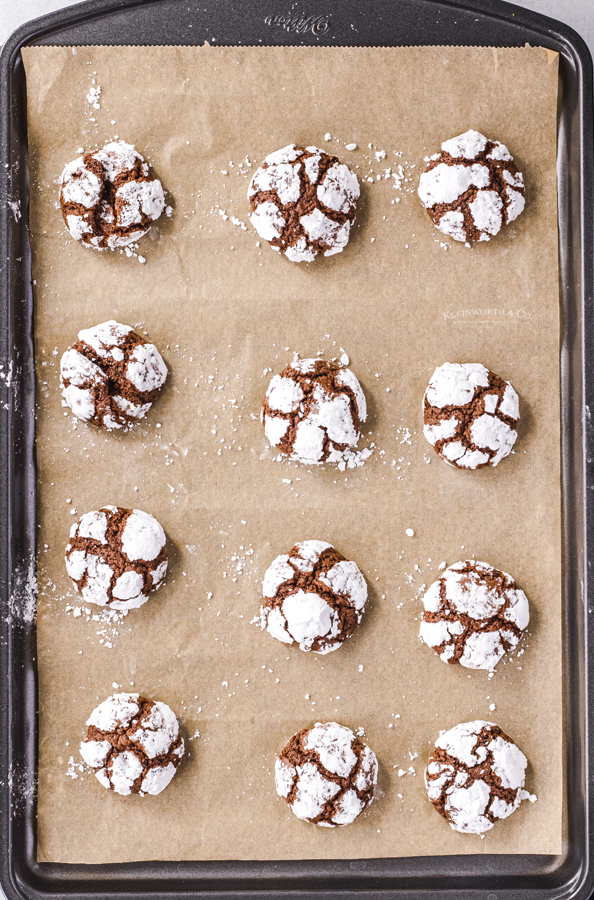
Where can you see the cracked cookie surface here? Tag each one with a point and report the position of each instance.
(473, 615)
(110, 198)
(470, 415)
(313, 411)
(475, 776)
(472, 187)
(303, 202)
(116, 557)
(326, 774)
(313, 596)
(133, 744)
(111, 376)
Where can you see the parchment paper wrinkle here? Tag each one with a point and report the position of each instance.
(227, 313)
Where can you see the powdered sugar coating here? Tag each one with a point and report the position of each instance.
(326, 774)
(115, 712)
(109, 198)
(313, 410)
(111, 376)
(473, 615)
(143, 537)
(332, 742)
(467, 145)
(116, 557)
(80, 186)
(303, 202)
(133, 744)
(470, 415)
(313, 596)
(453, 384)
(445, 184)
(472, 188)
(156, 780)
(159, 731)
(476, 776)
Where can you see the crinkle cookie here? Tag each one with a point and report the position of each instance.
(111, 376)
(473, 615)
(109, 198)
(470, 415)
(326, 774)
(313, 596)
(313, 411)
(116, 556)
(133, 744)
(475, 776)
(472, 188)
(303, 202)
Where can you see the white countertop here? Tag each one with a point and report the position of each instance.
(579, 14)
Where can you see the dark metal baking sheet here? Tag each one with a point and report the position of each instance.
(310, 22)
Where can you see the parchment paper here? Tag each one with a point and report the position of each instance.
(227, 313)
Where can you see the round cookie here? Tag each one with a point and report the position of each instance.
(313, 596)
(116, 557)
(475, 776)
(111, 376)
(109, 198)
(303, 202)
(470, 415)
(313, 411)
(473, 615)
(133, 744)
(472, 188)
(326, 774)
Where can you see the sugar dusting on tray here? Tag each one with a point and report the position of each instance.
(227, 315)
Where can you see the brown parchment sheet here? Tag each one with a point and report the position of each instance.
(227, 313)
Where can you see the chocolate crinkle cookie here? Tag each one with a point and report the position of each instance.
(303, 202)
(472, 188)
(470, 415)
(313, 411)
(326, 774)
(111, 376)
(313, 596)
(109, 198)
(473, 615)
(133, 744)
(116, 557)
(475, 776)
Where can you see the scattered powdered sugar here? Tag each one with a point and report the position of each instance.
(23, 600)
(75, 769)
(94, 95)
(15, 206)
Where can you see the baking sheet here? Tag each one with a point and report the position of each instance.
(224, 310)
